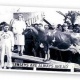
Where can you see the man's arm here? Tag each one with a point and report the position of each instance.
(12, 41)
(33, 29)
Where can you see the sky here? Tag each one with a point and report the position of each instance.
(6, 13)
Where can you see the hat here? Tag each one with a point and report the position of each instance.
(65, 25)
(4, 24)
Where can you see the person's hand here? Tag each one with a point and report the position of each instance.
(41, 45)
(12, 48)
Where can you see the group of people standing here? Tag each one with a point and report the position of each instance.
(9, 38)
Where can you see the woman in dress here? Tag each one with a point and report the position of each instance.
(19, 26)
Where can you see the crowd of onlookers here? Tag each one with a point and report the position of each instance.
(75, 28)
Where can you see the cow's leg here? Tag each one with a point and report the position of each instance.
(37, 49)
(60, 56)
(34, 52)
(48, 54)
(41, 52)
(70, 57)
(45, 59)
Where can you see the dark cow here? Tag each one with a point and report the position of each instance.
(57, 40)
(36, 41)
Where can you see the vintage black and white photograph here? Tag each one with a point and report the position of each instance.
(39, 39)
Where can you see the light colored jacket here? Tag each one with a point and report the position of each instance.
(6, 38)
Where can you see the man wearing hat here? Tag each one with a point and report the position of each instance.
(6, 45)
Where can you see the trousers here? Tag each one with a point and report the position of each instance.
(6, 50)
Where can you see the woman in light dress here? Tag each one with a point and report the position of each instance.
(19, 26)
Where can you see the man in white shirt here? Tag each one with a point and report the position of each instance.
(6, 45)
